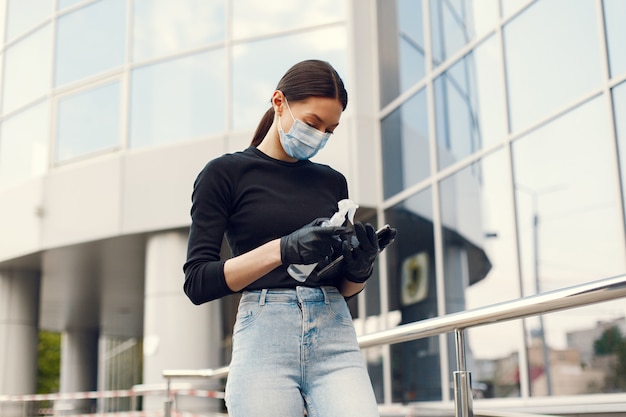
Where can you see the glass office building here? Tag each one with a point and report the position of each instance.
(491, 133)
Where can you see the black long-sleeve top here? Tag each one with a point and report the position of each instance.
(252, 199)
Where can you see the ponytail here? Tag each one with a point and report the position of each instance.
(263, 127)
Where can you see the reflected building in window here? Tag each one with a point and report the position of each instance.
(490, 133)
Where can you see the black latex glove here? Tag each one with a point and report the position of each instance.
(359, 261)
(311, 243)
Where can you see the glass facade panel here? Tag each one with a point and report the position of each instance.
(63, 4)
(27, 70)
(614, 18)
(90, 40)
(405, 147)
(401, 47)
(470, 106)
(164, 27)
(24, 15)
(88, 122)
(24, 140)
(568, 219)
(3, 23)
(619, 105)
(456, 23)
(178, 100)
(551, 61)
(283, 16)
(255, 75)
(480, 267)
(413, 296)
(511, 6)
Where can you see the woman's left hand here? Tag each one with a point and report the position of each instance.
(359, 261)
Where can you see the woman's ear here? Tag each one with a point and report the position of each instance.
(278, 98)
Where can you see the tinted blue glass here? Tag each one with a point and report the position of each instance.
(511, 6)
(256, 18)
(88, 122)
(455, 23)
(254, 83)
(63, 4)
(469, 102)
(90, 40)
(405, 145)
(479, 252)
(401, 47)
(27, 68)
(552, 57)
(412, 289)
(614, 18)
(569, 217)
(619, 104)
(24, 140)
(178, 100)
(23, 15)
(164, 27)
(411, 42)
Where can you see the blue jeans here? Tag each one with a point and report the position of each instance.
(295, 350)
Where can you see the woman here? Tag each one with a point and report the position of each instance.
(294, 345)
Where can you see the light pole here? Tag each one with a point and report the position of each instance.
(544, 346)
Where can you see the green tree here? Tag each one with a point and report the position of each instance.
(620, 369)
(48, 362)
(613, 343)
(609, 342)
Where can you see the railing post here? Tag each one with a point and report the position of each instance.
(462, 379)
(168, 400)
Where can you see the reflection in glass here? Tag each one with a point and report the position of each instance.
(63, 4)
(568, 219)
(480, 268)
(405, 145)
(164, 27)
(26, 14)
(90, 40)
(178, 100)
(413, 296)
(511, 6)
(401, 47)
(3, 9)
(27, 70)
(549, 65)
(258, 66)
(24, 142)
(619, 105)
(614, 18)
(282, 16)
(456, 23)
(469, 103)
(88, 122)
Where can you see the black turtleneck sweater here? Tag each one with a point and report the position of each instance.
(252, 199)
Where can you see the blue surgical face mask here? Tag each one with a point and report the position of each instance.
(302, 141)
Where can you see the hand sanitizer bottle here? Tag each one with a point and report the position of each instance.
(346, 207)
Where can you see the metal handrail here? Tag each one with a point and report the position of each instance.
(562, 299)
(549, 302)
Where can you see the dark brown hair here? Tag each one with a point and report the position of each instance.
(311, 78)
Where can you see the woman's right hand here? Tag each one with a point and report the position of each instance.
(311, 244)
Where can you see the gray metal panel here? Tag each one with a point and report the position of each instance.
(82, 202)
(157, 184)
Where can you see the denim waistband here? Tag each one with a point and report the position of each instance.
(295, 295)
